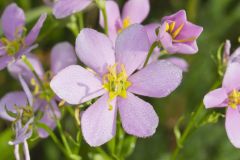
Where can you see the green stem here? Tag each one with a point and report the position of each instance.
(105, 20)
(81, 21)
(102, 6)
(154, 45)
(190, 126)
(59, 126)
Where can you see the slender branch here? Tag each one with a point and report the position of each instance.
(191, 125)
(102, 6)
(154, 45)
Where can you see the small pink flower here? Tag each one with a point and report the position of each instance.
(112, 76)
(228, 95)
(178, 35)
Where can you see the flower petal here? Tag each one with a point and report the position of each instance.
(64, 8)
(76, 85)
(179, 62)
(98, 122)
(136, 10)
(232, 126)
(132, 47)
(232, 77)
(113, 15)
(26, 90)
(235, 57)
(13, 21)
(138, 117)
(2, 49)
(151, 31)
(49, 117)
(4, 61)
(62, 55)
(178, 17)
(215, 98)
(19, 67)
(33, 34)
(157, 79)
(11, 100)
(95, 50)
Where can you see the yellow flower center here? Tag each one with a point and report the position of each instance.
(234, 99)
(116, 83)
(126, 23)
(175, 31)
(12, 47)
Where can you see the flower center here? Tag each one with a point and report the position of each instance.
(125, 24)
(13, 47)
(234, 99)
(45, 93)
(175, 31)
(116, 83)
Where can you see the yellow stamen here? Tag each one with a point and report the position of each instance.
(184, 40)
(116, 83)
(234, 99)
(177, 31)
(126, 23)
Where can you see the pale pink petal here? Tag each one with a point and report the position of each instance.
(132, 47)
(95, 50)
(33, 34)
(4, 61)
(64, 8)
(76, 85)
(99, 122)
(62, 56)
(9, 102)
(232, 126)
(13, 21)
(151, 31)
(137, 116)
(113, 15)
(179, 62)
(216, 98)
(232, 77)
(157, 79)
(136, 10)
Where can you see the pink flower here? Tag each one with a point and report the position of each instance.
(228, 95)
(112, 76)
(177, 35)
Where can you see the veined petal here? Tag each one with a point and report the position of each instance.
(232, 77)
(64, 8)
(215, 98)
(13, 21)
(33, 34)
(138, 117)
(9, 102)
(132, 47)
(95, 50)
(76, 85)
(62, 55)
(232, 126)
(99, 122)
(157, 79)
(136, 10)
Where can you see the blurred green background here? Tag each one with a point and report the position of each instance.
(220, 20)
